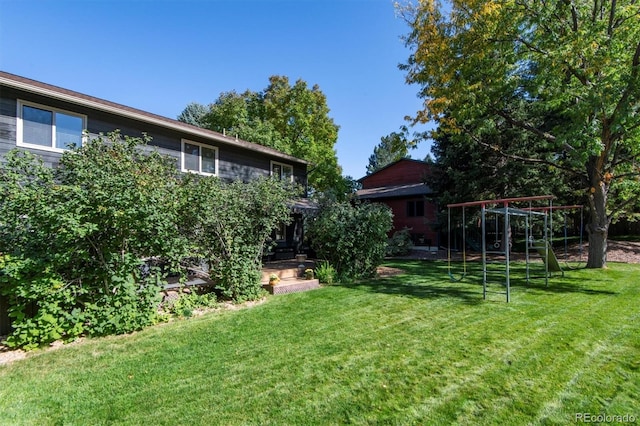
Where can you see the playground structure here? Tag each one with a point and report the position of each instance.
(536, 214)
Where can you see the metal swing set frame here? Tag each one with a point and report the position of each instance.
(505, 208)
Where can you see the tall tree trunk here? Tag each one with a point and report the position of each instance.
(598, 227)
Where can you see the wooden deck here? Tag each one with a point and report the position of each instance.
(291, 274)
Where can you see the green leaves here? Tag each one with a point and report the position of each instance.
(75, 237)
(291, 118)
(352, 238)
(230, 225)
(565, 73)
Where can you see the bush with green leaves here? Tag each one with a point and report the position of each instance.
(230, 225)
(74, 239)
(351, 237)
(186, 303)
(80, 243)
(325, 273)
(400, 243)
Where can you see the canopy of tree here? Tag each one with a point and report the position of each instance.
(291, 118)
(391, 148)
(565, 72)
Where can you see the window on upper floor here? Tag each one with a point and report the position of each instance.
(47, 128)
(199, 158)
(282, 171)
(415, 208)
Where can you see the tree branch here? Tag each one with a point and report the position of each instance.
(521, 158)
(574, 16)
(627, 175)
(620, 207)
(612, 15)
(635, 66)
(526, 126)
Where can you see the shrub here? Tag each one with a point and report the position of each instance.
(350, 237)
(326, 273)
(76, 236)
(186, 303)
(43, 307)
(230, 224)
(400, 243)
(74, 239)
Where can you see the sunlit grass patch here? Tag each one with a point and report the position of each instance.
(414, 348)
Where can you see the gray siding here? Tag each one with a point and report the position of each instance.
(234, 163)
(8, 122)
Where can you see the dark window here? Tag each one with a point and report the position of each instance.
(282, 171)
(415, 208)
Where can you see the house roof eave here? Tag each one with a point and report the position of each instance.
(44, 89)
(396, 191)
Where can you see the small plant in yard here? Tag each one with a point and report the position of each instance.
(184, 305)
(326, 273)
(308, 274)
(400, 243)
(274, 279)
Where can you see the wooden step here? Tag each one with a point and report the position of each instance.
(285, 270)
(292, 285)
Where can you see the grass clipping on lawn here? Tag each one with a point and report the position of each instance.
(411, 348)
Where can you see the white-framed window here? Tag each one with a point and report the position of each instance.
(47, 128)
(199, 158)
(282, 171)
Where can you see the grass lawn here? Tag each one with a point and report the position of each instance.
(409, 349)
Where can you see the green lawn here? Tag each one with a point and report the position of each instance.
(409, 349)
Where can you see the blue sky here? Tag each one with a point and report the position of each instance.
(160, 55)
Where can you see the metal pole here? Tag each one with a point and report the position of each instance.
(505, 238)
(546, 250)
(464, 243)
(449, 241)
(484, 253)
(526, 244)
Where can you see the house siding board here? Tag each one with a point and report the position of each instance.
(401, 172)
(7, 134)
(7, 124)
(420, 226)
(234, 163)
(390, 181)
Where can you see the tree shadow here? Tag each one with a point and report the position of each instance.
(429, 279)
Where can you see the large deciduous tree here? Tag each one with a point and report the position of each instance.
(291, 118)
(567, 72)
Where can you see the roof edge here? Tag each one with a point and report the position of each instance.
(45, 89)
(392, 164)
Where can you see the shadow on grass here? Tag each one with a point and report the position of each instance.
(564, 287)
(430, 279)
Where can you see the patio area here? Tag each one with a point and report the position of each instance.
(291, 275)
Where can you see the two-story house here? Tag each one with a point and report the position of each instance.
(45, 119)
